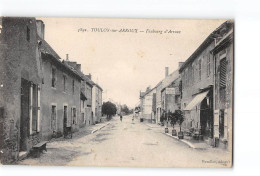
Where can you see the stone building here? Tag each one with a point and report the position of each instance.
(146, 102)
(97, 103)
(223, 89)
(170, 94)
(20, 87)
(161, 86)
(158, 101)
(86, 116)
(86, 88)
(60, 102)
(197, 76)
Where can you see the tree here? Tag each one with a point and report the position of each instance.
(173, 118)
(163, 116)
(109, 109)
(180, 117)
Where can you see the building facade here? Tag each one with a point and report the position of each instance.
(146, 103)
(97, 103)
(60, 102)
(223, 90)
(170, 94)
(20, 109)
(197, 77)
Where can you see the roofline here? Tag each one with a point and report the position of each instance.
(63, 65)
(205, 43)
(224, 42)
(148, 92)
(98, 86)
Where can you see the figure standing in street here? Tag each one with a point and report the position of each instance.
(121, 117)
(133, 119)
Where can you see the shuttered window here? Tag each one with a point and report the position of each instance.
(223, 71)
(53, 118)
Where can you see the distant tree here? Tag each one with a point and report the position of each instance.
(125, 109)
(109, 109)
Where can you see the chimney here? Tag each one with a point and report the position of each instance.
(166, 71)
(67, 57)
(180, 64)
(89, 76)
(40, 26)
(78, 67)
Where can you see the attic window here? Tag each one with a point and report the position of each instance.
(28, 34)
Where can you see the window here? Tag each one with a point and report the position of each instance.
(199, 69)
(53, 77)
(186, 77)
(64, 83)
(35, 108)
(28, 34)
(73, 86)
(192, 74)
(74, 115)
(208, 65)
(53, 118)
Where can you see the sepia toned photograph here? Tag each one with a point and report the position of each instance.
(116, 92)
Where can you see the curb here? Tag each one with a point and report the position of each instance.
(183, 141)
(151, 126)
(99, 128)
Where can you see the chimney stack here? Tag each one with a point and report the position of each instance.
(78, 67)
(180, 64)
(40, 26)
(166, 71)
(67, 57)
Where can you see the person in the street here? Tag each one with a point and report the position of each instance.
(121, 117)
(133, 119)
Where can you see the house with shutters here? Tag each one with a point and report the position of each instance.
(61, 88)
(223, 89)
(197, 88)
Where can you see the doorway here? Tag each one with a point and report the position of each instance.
(206, 118)
(24, 119)
(65, 119)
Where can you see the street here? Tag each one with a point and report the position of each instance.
(127, 144)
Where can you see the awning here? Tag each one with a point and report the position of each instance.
(196, 100)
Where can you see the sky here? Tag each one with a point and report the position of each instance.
(125, 63)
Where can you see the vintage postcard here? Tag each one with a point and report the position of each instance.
(116, 92)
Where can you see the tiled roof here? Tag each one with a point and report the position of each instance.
(45, 48)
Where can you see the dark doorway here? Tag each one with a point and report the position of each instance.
(206, 117)
(221, 123)
(65, 119)
(24, 119)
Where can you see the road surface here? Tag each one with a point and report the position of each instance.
(127, 144)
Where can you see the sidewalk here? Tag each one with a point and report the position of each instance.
(84, 131)
(189, 142)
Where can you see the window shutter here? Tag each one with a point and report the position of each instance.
(76, 119)
(30, 108)
(223, 69)
(39, 110)
(55, 119)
